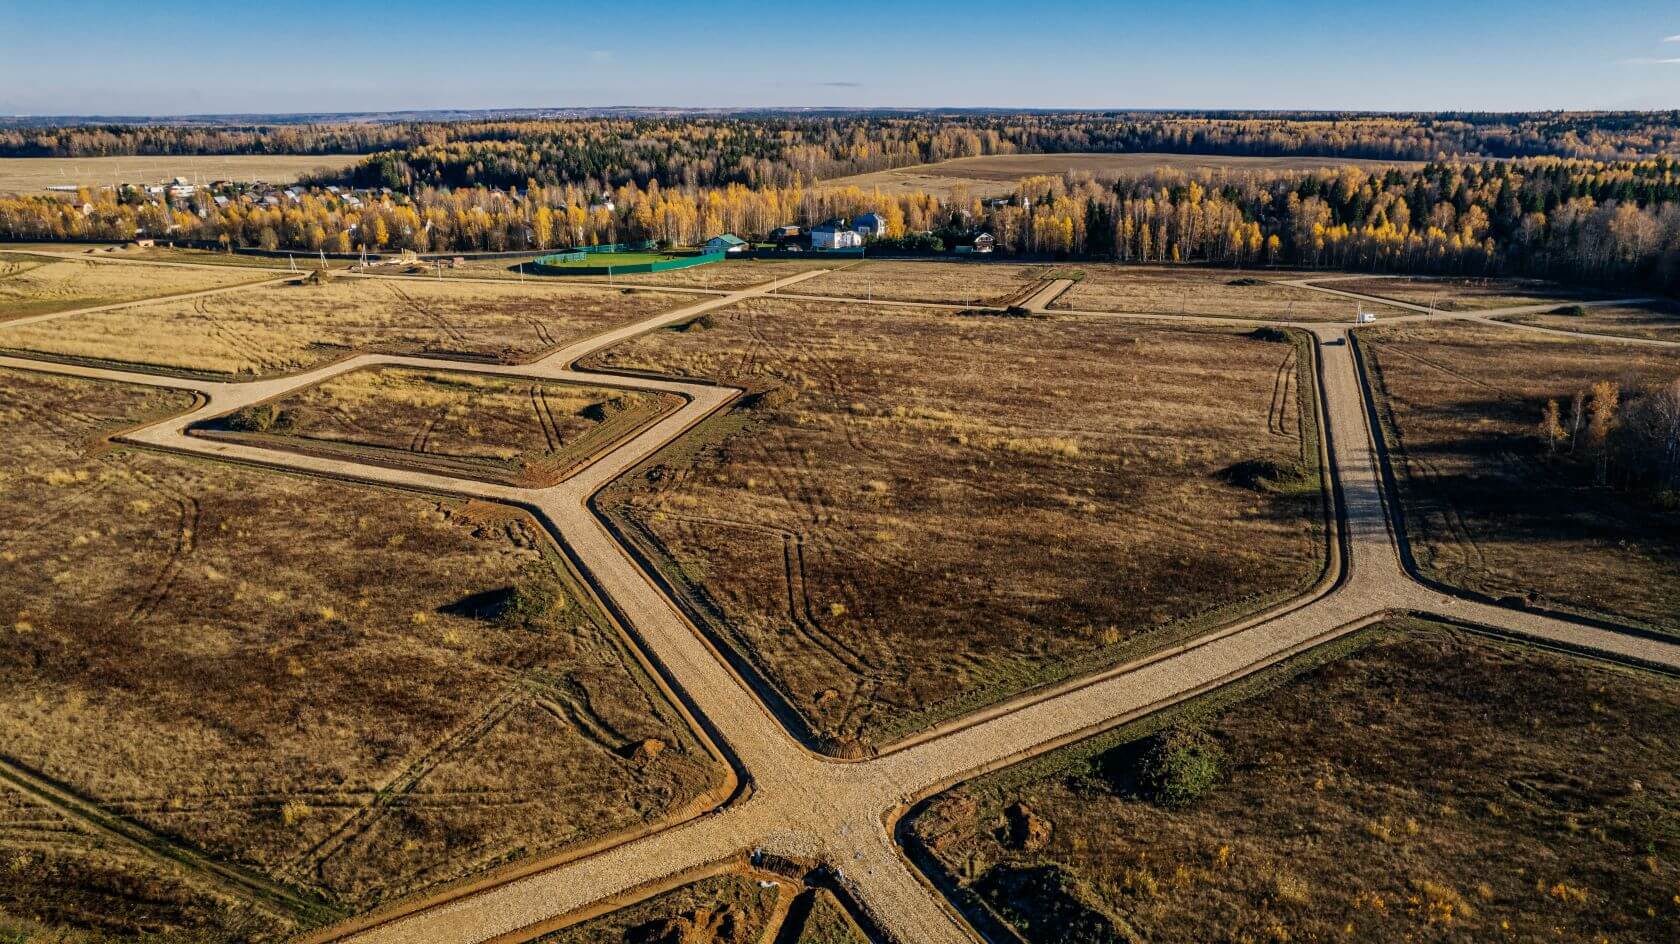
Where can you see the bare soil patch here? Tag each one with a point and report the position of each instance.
(1656, 320)
(916, 513)
(1222, 293)
(292, 326)
(33, 284)
(1466, 294)
(1485, 510)
(994, 175)
(436, 694)
(1415, 783)
(521, 432)
(952, 283)
(32, 174)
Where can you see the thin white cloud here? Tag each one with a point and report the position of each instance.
(1672, 39)
(1651, 62)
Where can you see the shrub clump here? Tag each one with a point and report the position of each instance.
(1270, 334)
(1247, 281)
(262, 418)
(1267, 475)
(537, 601)
(1183, 766)
(1573, 311)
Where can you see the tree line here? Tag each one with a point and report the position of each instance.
(1579, 220)
(779, 150)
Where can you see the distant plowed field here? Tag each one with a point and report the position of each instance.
(916, 512)
(31, 174)
(994, 175)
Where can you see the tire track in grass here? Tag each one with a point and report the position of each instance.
(313, 860)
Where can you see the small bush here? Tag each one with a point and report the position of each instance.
(1182, 767)
(535, 602)
(1573, 311)
(1270, 334)
(262, 418)
(1247, 281)
(1267, 475)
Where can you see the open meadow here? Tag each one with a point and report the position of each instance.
(1488, 506)
(1657, 320)
(995, 175)
(1212, 292)
(33, 174)
(38, 284)
(915, 513)
(437, 695)
(1412, 783)
(281, 328)
(952, 282)
(1467, 294)
(478, 425)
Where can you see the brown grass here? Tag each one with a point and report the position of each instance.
(955, 283)
(1658, 320)
(725, 909)
(827, 922)
(298, 677)
(496, 428)
(287, 327)
(994, 175)
(1427, 785)
(65, 885)
(1484, 510)
(919, 513)
(1160, 290)
(31, 174)
(1466, 294)
(39, 284)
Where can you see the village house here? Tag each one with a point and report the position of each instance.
(725, 242)
(835, 234)
(870, 225)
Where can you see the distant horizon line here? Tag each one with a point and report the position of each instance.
(21, 119)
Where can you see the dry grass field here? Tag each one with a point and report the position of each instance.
(31, 174)
(516, 431)
(1659, 320)
(951, 283)
(1461, 404)
(917, 512)
(436, 697)
(724, 909)
(994, 175)
(1225, 293)
(66, 885)
(821, 919)
(281, 328)
(1466, 294)
(1414, 784)
(728, 275)
(40, 284)
(731, 274)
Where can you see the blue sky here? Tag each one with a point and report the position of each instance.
(67, 57)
